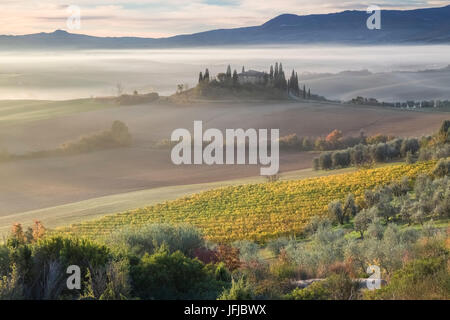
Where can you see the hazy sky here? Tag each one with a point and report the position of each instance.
(160, 18)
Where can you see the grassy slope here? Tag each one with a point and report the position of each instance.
(255, 211)
(77, 212)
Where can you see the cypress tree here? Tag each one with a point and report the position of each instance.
(283, 82)
(200, 77)
(228, 72)
(293, 83)
(235, 78)
(206, 76)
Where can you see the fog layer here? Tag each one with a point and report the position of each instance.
(67, 74)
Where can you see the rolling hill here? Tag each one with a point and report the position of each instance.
(430, 25)
(255, 212)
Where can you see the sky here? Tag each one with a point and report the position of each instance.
(163, 18)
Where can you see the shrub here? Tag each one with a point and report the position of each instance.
(229, 256)
(315, 257)
(394, 148)
(10, 286)
(70, 251)
(148, 238)
(109, 282)
(379, 152)
(410, 158)
(316, 164)
(325, 161)
(290, 142)
(334, 136)
(442, 168)
(315, 291)
(371, 198)
(240, 290)
(283, 269)
(248, 250)
(335, 287)
(117, 136)
(205, 255)
(5, 262)
(443, 133)
(221, 273)
(173, 276)
(420, 279)
(341, 287)
(336, 212)
(307, 144)
(271, 288)
(400, 188)
(357, 154)
(316, 223)
(409, 145)
(340, 159)
(38, 269)
(276, 245)
(429, 229)
(376, 139)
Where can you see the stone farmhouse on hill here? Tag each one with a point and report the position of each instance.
(251, 76)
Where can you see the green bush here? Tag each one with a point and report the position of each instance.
(276, 245)
(248, 251)
(341, 287)
(335, 287)
(221, 273)
(315, 291)
(325, 160)
(38, 270)
(327, 246)
(70, 251)
(173, 276)
(240, 290)
(284, 270)
(148, 238)
(5, 262)
(420, 279)
(117, 136)
(442, 168)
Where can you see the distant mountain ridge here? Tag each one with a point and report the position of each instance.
(419, 26)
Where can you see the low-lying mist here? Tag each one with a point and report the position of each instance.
(75, 74)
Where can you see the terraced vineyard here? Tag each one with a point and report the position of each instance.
(256, 211)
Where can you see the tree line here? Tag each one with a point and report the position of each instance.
(382, 148)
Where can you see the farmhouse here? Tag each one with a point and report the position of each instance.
(251, 76)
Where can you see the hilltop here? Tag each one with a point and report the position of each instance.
(249, 85)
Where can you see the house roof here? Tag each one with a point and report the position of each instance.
(252, 73)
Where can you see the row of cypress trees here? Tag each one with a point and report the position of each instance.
(275, 78)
